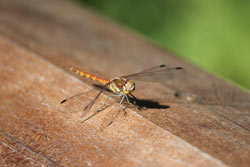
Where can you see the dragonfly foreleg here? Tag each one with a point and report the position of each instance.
(123, 97)
(122, 100)
(133, 97)
(127, 98)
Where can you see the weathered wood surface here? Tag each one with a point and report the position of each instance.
(40, 40)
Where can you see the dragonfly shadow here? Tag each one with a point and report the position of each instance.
(149, 104)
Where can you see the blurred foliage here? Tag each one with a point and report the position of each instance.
(213, 34)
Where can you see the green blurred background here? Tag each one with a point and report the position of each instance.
(214, 35)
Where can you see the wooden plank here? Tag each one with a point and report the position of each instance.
(40, 40)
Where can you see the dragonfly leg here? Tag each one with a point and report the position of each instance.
(133, 98)
(123, 97)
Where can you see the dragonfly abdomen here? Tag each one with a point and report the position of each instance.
(89, 76)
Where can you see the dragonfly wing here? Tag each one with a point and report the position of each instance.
(160, 72)
(77, 102)
(89, 106)
(82, 101)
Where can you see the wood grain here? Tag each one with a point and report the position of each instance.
(40, 40)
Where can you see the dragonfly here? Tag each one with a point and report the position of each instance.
(124, 86)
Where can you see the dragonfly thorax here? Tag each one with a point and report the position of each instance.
(122, 86)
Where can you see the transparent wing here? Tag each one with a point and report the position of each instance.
(78, 106)
(151, 74)
(77, 103)
(89, 106)
(82, 103)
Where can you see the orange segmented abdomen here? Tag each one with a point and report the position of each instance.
(90, 76)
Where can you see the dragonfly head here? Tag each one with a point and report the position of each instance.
(129, 87)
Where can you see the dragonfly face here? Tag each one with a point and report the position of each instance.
(129, 87)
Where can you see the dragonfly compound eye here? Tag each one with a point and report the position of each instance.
(130, 85)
